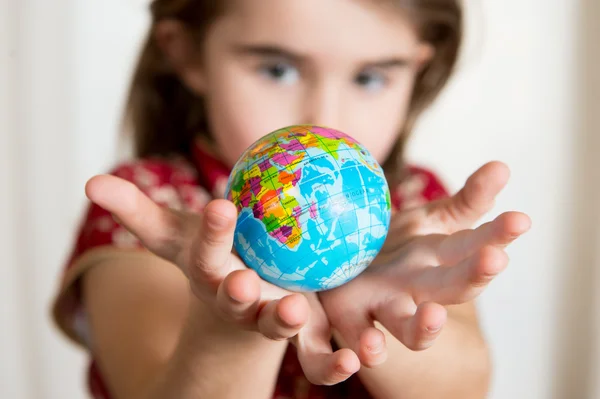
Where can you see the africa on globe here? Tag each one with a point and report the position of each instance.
(313, 207)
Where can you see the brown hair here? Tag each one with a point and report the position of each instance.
(165, 116)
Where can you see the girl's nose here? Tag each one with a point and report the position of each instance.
(322, 104)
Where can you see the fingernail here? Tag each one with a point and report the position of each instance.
(340, 369)
(376, 349)
(235, 300)
(434, 329)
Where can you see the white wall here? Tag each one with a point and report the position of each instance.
(38, 157)
(13, 371)
(518, 98)
(60, 74)
(107, 36)
(67, 63)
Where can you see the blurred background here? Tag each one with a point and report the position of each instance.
(527, 93)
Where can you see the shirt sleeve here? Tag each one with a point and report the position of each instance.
(99, 237)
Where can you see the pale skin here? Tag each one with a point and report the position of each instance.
(184, 317)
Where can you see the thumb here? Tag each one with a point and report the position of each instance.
(474, 200)
(210, 252)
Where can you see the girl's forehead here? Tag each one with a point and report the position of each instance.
(370, 27)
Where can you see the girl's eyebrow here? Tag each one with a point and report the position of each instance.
(396, 62)
(269, 50)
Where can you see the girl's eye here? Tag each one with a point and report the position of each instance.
(371, 81)
(280, 72)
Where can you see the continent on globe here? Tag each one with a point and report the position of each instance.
(313, 207)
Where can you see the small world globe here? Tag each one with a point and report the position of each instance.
(313, 207)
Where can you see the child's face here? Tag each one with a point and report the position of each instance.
(344, 64)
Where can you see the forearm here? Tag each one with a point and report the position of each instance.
(214, 361)
(456, 366)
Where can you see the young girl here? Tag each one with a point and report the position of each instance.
(152, 289)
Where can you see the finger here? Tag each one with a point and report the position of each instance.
(282, 319)
(320, 364)
(416, 331)
(372, 350)
(447, 250)
(460, 283)
(327, 368)
(500, 232)
(238, 297)
(474, 200)
(452, 214)
(360, 334)
(211, 251)
(159, 229)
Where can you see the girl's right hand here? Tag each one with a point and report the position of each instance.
(201, 246)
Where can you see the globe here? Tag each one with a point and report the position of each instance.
(313, 207)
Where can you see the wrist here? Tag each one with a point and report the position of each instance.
(209, 349)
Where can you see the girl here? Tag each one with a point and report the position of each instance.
(153, 290)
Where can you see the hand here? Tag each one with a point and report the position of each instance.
(201, 246)
(430, 259)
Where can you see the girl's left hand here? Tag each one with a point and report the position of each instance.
(430, 259)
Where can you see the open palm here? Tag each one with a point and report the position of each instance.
(431, 258)
(201, 246)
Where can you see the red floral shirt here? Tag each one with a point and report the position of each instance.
(189, 185)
